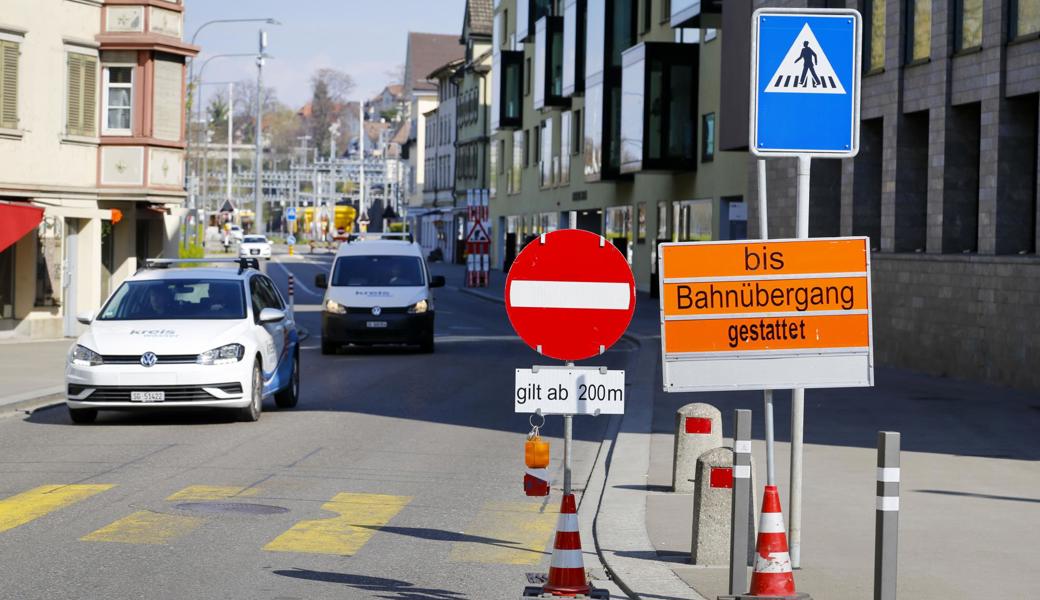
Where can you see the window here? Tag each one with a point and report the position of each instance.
(566, 130)
(519, 158)
(119, 87)
(969, 24)
(527, 77)
(378, 271)
(666, 11)
(708, 137)
(918, 30)
(1025, 18)
(545, 154)
(9, 56)
(81, 98)
(193, 299)
(874, 39)
(648, 12)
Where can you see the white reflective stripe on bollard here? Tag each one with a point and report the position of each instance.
(742, 471)
(742, 447)
(888, 474)
(888, 503)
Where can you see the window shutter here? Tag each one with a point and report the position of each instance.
(9, 85)
(74, 101)
(89, 98)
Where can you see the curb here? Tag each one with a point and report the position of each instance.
(31, 405)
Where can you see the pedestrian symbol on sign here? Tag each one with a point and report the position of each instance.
(805, 69)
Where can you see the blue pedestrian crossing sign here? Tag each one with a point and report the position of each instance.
(805, 82)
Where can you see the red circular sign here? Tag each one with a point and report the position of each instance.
(570, 294)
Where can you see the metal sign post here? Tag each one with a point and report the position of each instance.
(738, 544)
(805, 102)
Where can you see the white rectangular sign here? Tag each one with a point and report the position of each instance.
(569, 391)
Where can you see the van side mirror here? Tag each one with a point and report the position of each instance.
(321, 281)
(437, 281)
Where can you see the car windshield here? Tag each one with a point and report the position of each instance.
(254, 239)
(176, 299)
(378, 271)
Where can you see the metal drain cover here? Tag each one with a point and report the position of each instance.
(235, 508)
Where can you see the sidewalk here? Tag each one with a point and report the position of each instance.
(31, 371)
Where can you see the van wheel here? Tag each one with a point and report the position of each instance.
(288, 397)
(83, 416)
(256, 397)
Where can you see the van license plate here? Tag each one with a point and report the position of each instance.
(147, 396)
(377, 324)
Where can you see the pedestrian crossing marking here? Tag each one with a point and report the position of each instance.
(204, 493)
(20, 509)
(515, 533)
(805, 69)
(145, 527)
(359, 516)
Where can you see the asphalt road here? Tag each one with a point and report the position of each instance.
(398, 476)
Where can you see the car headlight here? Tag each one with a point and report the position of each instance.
(334, 307)
(224, 355)
(84, 357)
(419, 307)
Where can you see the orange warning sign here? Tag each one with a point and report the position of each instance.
(766, 300)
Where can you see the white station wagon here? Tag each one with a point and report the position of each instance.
(186, 337)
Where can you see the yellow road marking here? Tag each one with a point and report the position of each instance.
(512, 533)
(359, 517)
(145, 527)
(20, 509)
(202, 493)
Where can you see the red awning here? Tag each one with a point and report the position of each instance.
(16, 220)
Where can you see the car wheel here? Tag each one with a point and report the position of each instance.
(426, 346)
(256, 396)
(83, 416)
(288, 397)
(328, 347)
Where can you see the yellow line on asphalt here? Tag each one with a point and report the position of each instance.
(512, 533)
(359, 516)
(202, 493)
(145, 527)
(20, 509)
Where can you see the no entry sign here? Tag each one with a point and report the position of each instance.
(570, 295)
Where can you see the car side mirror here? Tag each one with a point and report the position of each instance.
(272, 315)
(321, 281)
(85, 317)
(437, 281)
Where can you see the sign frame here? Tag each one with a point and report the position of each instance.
(857, 80)
(774, 364)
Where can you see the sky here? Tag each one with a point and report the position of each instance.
(366, 39)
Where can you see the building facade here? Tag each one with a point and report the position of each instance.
(605, 117)
(439, 167)
(945, 184)
(92, 138)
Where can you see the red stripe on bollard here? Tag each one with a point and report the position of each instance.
(721, 477)
(698, 425)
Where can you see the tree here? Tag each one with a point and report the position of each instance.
(245, 107)
(217, 113)
(330, 90)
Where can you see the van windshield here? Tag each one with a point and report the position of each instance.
(378, 271)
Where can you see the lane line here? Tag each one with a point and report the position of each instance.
(511, 533)
(359, 516)
(296, 280)
(28, 506)
(145, 527)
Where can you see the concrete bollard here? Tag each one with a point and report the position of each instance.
(712, 509)
(698, 428)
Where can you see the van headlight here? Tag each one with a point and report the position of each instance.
(331, 306)
(419, 307)
(81, 356)
(224, 355)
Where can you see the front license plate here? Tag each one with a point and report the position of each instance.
(377, 324)
(147, 396)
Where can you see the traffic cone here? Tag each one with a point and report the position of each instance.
(567, 569)
(772, 576)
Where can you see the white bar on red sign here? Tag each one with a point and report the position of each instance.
(569, 391)
(570, 294)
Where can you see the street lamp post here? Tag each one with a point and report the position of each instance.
(257, 183)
